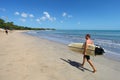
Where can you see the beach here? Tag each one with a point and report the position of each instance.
(26, 57)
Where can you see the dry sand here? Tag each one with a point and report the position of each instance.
(24, 57)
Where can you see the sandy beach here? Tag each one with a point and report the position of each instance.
(25, 57)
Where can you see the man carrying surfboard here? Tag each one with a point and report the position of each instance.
(87, 57)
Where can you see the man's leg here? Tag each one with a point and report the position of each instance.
(83, 61)
(91, 64)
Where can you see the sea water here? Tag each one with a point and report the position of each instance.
(108, 39)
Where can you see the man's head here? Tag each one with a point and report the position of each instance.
(87, 36)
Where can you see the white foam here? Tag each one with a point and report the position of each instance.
(111, 52)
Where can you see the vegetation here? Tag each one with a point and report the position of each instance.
(12, 26)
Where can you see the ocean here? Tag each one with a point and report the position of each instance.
(108, 39)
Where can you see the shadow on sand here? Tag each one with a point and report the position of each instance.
(76, 64)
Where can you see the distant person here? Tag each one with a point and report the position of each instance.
(6, 31)
(85, 56)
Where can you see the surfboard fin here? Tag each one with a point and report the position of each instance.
(99, 50)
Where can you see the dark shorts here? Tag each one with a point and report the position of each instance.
(87, 57)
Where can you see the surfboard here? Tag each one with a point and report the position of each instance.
(91, 49)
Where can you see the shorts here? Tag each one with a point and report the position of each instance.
(87, 57)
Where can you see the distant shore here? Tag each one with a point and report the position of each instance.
(25, 57)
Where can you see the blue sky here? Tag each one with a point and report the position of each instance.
(63, 14)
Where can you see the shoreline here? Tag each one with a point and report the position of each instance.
(25, 57)
(107, 54)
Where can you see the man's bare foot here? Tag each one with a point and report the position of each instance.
(94, 71)
(82, 65)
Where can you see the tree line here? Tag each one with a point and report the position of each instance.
(12, 26)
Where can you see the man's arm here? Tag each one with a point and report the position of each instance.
(85, 48)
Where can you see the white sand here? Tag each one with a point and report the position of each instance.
(24, 57)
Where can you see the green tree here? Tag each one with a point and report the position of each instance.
(2, 23)
(11, 26)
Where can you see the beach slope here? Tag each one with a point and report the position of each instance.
(24, 57)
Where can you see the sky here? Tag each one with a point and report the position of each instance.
(63, 14)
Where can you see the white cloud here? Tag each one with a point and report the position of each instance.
(31, 16)
(17, 13)
(2, 9)
(52, 18)
(24, 15)
(43, 18)
(23, 20)
(47, 17)
(64, 14)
